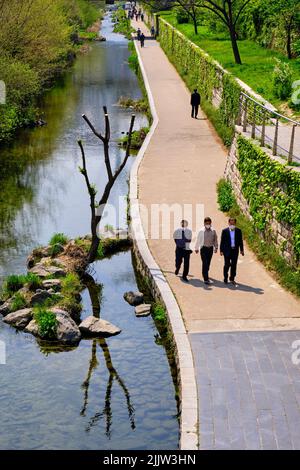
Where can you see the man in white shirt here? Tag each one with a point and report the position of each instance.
(182, 237)
(207, 242)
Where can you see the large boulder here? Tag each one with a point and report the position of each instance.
(42, 270)
(92, 326)
(20, 318)
(39, 297)
(134, 298)
(52, 284)
(32, 328)
(67, 330)
(143, 310)
(5, 307)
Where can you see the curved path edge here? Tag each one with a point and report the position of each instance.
(161, 289)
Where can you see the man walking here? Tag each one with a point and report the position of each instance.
(142, 39)
(195, 102)
(207, 242)
(231, 245)
(182, 237)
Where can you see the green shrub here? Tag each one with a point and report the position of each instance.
(33, 281)
(71, 285)
(18, 302)
(13, 283)
(225, 195)
(46, 321)
(159, 313)
(137, 138)
(58, 238)
(71, 305)
(282, 80)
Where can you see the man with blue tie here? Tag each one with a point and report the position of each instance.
(231, 245)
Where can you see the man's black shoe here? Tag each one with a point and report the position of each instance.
(233, 283)
(185, 279)
(176, 271)
(206, 282)
(225, 281)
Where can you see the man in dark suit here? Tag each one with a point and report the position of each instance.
(195, 102)
(231, 245)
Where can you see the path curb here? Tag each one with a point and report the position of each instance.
(162, 291)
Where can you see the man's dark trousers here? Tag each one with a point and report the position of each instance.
(230, 263)
(182, 254)
(195, 108)
(206, 253)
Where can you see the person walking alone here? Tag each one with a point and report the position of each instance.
(207, 243)
(142, 39)
(182, 237)
(195, 103)
(230, 246)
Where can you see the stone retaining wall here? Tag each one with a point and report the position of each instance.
(279, 232)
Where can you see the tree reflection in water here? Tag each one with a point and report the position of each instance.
(95, 292)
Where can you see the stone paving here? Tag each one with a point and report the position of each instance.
(248, 387)
(249, 390)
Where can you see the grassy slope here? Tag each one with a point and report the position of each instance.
(258, 62)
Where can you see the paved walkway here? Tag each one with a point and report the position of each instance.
(182, 164)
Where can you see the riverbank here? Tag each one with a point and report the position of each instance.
(29, 67)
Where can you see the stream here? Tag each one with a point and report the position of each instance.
(114, 393)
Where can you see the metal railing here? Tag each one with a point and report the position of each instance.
(272, 129)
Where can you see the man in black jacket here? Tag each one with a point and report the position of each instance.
(195, 102)
(231, 245)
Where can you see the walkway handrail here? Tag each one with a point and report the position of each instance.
(261, 119)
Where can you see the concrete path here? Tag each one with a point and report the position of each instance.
(182, 164)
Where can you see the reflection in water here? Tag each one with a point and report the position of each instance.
(106, 413)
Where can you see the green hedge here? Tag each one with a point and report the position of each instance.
(199, 70)
(271, 189)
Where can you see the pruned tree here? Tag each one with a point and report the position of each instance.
(97, 209)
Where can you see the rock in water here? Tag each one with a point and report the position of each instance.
(32, 328)
(134, 298)
(93, 326)
(39, 297)
(67, 330)
(143, 310)
(5, 308)
(44, 271)
(20, 318)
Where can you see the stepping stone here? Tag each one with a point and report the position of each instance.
(20, 318)
(94, 327)
(143, 310)
(134, 298)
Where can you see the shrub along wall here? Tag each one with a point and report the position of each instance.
(269, 193)
(219, 90)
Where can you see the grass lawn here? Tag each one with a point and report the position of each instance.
(258, 62)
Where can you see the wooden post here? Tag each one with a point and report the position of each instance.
(253, 122)
(275, 138)
(290, 157)
(245, 115)
(239, 118)
(263, 130)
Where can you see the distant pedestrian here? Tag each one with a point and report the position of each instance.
(195, 103)
(231, 244)
(142, 39)
(142, 17)
(207, 243)
(136, 17)
(138, 34)
(182, 237)
(152, 31)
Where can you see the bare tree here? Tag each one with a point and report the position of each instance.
(97, 209)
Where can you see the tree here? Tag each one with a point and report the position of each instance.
(229, 12)
(191, 7)
(288, 13)
(97, 210)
